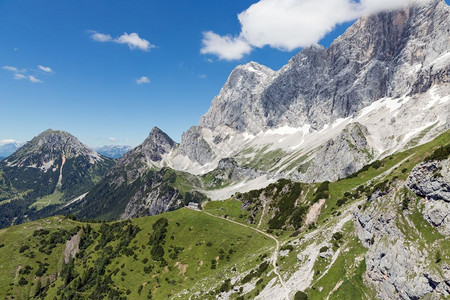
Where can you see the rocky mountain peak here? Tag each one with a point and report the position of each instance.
(147, 155)
(156, 144)
(388, 54)
(50, 146)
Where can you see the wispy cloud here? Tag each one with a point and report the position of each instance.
(132, 40)
(202, 76)
(34, 79)
(9, 68)
(143, 79)
(290, 24)
(19, 74)
(9, 141)
(113, 139)
(100, 37)
(45, 69)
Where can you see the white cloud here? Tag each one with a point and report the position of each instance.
(9, 141)
(143, 79)
(113, 139)
(9, 68)
(100, 37)
(132, 40)
(19, 76)
(224, 47)
(45, 69)
(34, 79)
(202, 76)
(290, 24)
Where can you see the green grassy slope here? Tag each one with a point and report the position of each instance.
(120, 256)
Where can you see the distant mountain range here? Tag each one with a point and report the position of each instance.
(113, 151)
(9, 148)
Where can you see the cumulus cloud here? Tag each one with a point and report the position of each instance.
(224, 47)
(290, 24)
(132, 40)
(45, 69)
(143, 79)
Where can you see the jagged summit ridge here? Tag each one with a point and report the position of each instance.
(388, 72)
(389, 54)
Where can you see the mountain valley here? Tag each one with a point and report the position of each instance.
(326, 179)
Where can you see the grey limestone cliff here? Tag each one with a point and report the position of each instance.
(389, 54)
(339, 157)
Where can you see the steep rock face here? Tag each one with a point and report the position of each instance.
(153, 197)
(238, 104)
(339, 157)
(194, 146)
(386, 55)
(431, 180)
(396, 267)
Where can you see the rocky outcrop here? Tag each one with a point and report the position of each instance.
(431, 180)
(397, 267)
(153, 197)
(339, 157)
(229, 171)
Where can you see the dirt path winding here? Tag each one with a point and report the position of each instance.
(274, 254)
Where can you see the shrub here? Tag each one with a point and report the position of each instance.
(440, 153)
(22, 281)
(299, 295)
(341, 202)
(337, 236)
(24, 248)
(287, 247)
(323, 249)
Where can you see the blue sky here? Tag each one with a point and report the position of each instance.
(90, 88)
